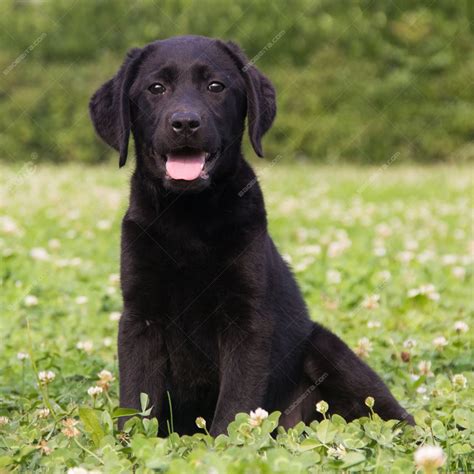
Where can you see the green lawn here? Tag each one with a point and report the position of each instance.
(384, 258)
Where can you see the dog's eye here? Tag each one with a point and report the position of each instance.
(157, 88)
(216, 87)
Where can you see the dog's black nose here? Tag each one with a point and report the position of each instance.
(185, 122)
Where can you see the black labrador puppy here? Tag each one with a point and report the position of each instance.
(212, 313)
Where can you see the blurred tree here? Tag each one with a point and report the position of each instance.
(357, 80)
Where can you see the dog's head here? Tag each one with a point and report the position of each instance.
(185, 100)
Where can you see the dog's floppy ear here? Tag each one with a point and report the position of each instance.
(109, 107)
(261, 104)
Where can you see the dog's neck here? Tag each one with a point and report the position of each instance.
(237, 193)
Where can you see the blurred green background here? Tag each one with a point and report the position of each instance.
(360, 81)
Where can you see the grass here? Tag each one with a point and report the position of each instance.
(359, 240)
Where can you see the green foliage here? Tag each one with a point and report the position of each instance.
(59, 245)
(356, 80)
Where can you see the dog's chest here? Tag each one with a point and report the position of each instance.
(193, 356)
(195, 286)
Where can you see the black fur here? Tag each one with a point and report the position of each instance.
(212, 314)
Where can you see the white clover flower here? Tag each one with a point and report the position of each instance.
(322, 407)
(458, 272)
(44, 448)
(8, 252)
(383, 230)
(449, 259)
(39, 253)
(200, 422)
(114, 278)
(371, 302)
(85, 346)
(370, 402)
(43, 412)
(30, 300)
(107, 341)
(73, 214)
(81, 470)
(257, 416)
(94, 391)
(105, 375)
(440, 342)
(364, 346)
(461, 326)
(409, 343)
(333, 277)
(429, 458)
(435, 296)
(114, 316)
(424, 368)
(428, 290)
(338, 452)
(4, 420)
(426, 256)
(313, 250)
(338, 247)
(75, 261)
(81, 300)
(105, 378)
(104, 224)
(303, 264)
(54, 244)
(459, 381)
(22, 355)
(70, 429)
(373, 324)
(413, 293)
(8, 225)
(411, 244)
(380, 251)
(405, 257)
(421, 389)
(46, 376)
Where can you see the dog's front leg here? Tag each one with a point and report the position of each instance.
(244, 367)
(142, 363)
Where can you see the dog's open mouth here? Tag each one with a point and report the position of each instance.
(187, 164)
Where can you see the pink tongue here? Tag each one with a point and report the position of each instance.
(185, 167)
